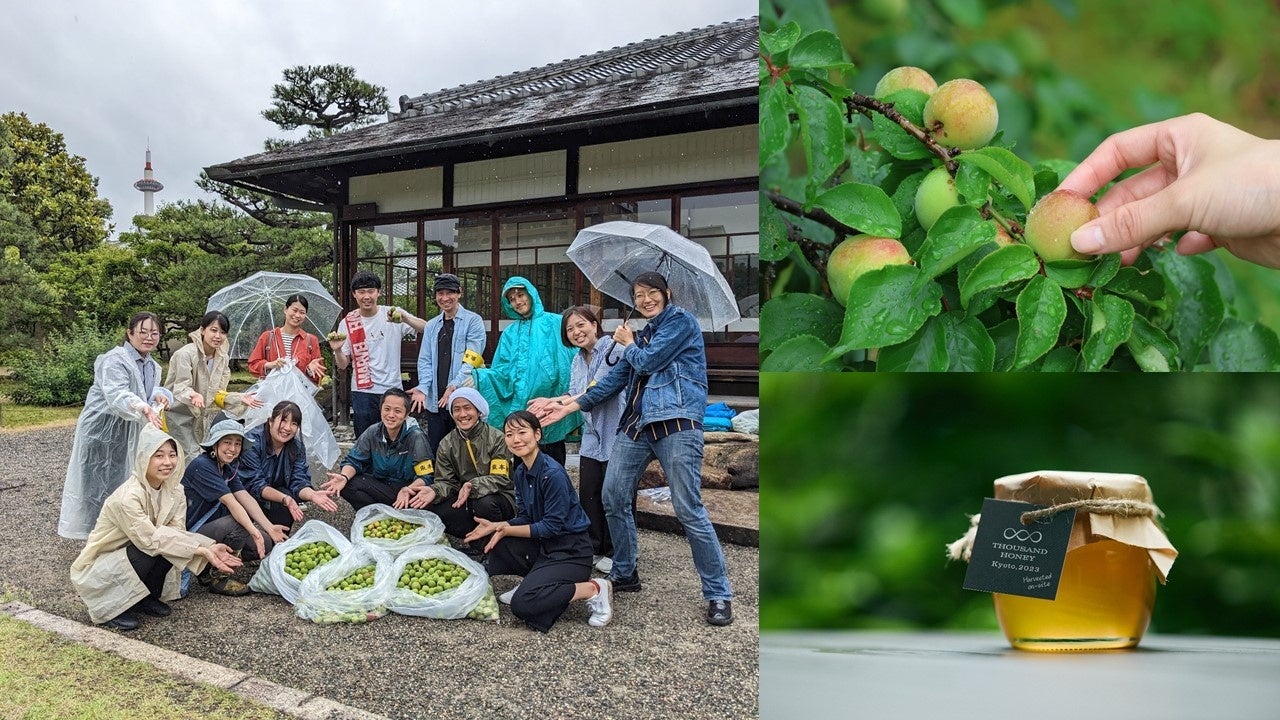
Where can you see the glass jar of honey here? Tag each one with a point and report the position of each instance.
(1115, 555)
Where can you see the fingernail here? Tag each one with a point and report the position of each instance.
(1087, 239)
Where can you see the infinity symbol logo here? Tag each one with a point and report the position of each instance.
(1015, 534)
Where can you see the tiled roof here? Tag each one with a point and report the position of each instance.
(701, 48)
(693, 74)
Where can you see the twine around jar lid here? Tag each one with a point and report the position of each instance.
(1109, 506)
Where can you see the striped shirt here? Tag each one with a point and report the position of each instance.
(630, 422)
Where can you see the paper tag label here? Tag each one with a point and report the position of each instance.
(1015, 559)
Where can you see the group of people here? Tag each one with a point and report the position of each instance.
(485, 452)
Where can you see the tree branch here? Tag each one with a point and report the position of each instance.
(818, 215)
(865, 105)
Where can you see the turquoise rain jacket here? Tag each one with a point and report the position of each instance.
(529, 362)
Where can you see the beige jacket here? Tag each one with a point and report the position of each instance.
(101, 574)
(189, 376)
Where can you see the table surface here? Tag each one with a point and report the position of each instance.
(887, 675)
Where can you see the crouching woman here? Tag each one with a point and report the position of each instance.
(140, 538)
(546, 542)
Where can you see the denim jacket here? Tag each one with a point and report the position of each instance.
(468, 334)
(676, 363)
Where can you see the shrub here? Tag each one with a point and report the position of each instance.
(62, 373)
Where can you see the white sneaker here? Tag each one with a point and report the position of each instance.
(600, 605)
(505, 598)
(604, 564)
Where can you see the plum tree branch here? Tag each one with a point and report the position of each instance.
(818, 215)
(857, 102)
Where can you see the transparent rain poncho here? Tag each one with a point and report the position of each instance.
(105, 440)
(287, 382)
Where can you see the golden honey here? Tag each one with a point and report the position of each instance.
(1116, 554)
(1104, 601)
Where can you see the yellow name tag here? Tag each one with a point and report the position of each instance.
(498, 466)
(423, 468)
(473, 358)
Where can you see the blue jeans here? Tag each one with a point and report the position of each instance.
(680, 455)
(366, 409)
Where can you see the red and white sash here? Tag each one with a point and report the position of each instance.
(359, 351)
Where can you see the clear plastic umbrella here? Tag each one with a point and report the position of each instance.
(256, 304)
(612, 254)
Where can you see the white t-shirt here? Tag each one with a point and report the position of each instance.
(383, 338)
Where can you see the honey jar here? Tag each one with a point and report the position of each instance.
(1116, 554)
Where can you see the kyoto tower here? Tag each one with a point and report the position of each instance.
(148, 185)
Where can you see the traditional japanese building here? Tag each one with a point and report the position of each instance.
(495, 178)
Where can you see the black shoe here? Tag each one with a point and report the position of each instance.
(626, 584)
(125, 621)
(719, 612)
(153, 607)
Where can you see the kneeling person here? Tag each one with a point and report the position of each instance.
(140, 537)
(472, 471)
(546, 542)
(391, 460)
(219, 506)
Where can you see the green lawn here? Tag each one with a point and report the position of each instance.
(43, 676)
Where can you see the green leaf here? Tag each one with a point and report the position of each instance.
(1151, 347)
(804, 353)
(926, 351)
(863, 207)
(890, 136)
(969, 346)
(1145, 287)
(1197, 307)
(775, 244)
(1069, 273)
(791, 315)
(1003, 267)
(821, 130)
(1012, 172)
(1061, 359)
(780, 40)
(1105, 269)
(946, 342)
(969, 13)
(1110, 326)
(886, 307)
(819, 49)
(775, 123)
(958, 232)
(1244, 347)
(1005, 337)
(1041, 311)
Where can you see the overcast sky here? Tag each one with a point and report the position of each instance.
(195, 77)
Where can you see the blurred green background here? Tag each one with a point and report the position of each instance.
(865, 477)
(1067, 73)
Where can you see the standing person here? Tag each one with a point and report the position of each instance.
(372, 348)
(664, 374)
(219, 506)
(451, 338)
(274, 467)
(198, 375)
(596, 355)
(472, 471)
(389, 462)
(529, 362)
(546, 542)
(289, 343)
(126, 383)
(140, 537)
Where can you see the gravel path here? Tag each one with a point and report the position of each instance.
(658, 658)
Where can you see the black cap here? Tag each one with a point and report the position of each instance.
(447, 281)
(365, 279)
